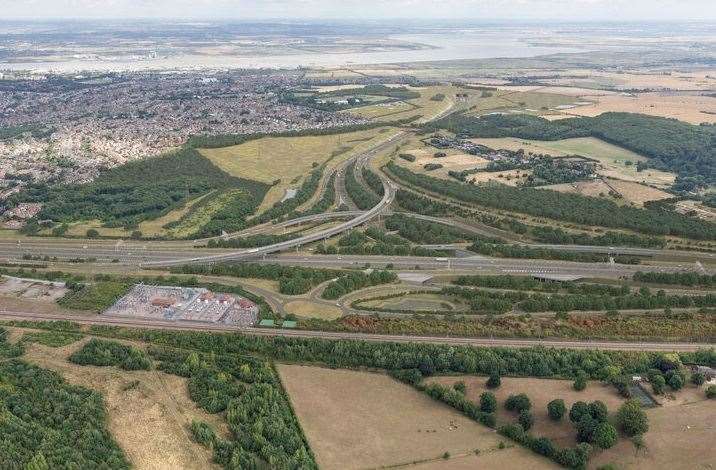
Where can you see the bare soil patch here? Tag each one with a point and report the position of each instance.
(16, 304)
(148, 411)
(365, 420)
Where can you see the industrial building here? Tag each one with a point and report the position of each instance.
(185, 304)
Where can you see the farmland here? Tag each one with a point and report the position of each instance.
(348, 428)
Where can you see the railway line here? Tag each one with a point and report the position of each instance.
(457, 341)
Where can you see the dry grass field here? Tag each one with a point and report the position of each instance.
(681, 436)
(691, 108)
(18, 304)
(423, 106)
(290, 159)
(418, 302)
(148, 411)
(366, 420)
(309, 309)
(634, 193)
(611, 158)
(541, 392)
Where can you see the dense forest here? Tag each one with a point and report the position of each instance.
(338, 100)
(137, 191)
(98, 352)
(671, 145)
(562, 206)
(49, 424)
(362, 197)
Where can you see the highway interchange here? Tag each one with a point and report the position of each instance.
(164, 254)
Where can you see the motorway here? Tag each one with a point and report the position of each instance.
(462, 341)
(474, 263)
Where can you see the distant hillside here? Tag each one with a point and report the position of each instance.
(685, 149)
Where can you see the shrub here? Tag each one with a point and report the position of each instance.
(526, 419)
(711, 392)
(518, 403)
(631, 419)
(605, 435)
(494, 381)
(202, 433)
(658, 383)
(460, 387)
(578, 410)
(409, 376)
(556, 409)
(598, 410)
(580, 383)
(674, 380)
(488, 402)
(698, 379)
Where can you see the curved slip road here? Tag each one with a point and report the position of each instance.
(488, 342)
(388, 197)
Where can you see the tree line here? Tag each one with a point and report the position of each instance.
(562, 206)
(682, 279)
(671, 145)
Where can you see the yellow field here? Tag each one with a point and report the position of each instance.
(290, 158)
(423, 106)
(611, 157)
(689, 108)
(308, 309)
(362, 420)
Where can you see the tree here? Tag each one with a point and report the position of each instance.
(136, 235)
(698, 379)
(37, 462)
(518, 403)
(586, 426)
(711, 392)
(605, 435)
(488, 402)
(556, 409)
(658, 383)
(674, 379)
(92, 233)
(526, 419)
(638, 442)
(578, 410)
(631, 419)
(580, 383)
(494, 381)
(598, 410)
(460, 387)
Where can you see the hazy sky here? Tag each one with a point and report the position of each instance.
(618, 10)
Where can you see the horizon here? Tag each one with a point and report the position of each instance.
(587, 11)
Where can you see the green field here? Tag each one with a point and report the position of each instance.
(612, 157)
(290, 159)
